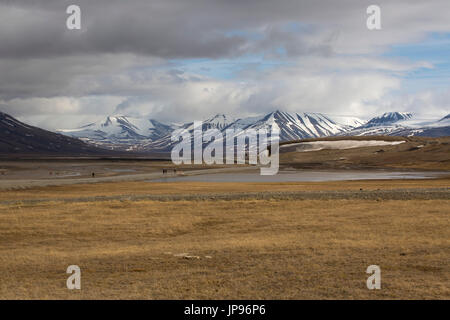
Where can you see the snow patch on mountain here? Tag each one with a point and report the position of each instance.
(340, 144)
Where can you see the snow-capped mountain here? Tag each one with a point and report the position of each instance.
(219, 121)
(293, 126)
(120, 129)
(402, 124)
(144, 134)
(388, 118)
(164, 141)
(147, 134)
(445, 121)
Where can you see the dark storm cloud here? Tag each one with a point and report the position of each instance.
(121, 59)
(208, 28)
(169, 29)
(40, 57)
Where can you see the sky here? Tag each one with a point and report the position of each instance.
(185, 60)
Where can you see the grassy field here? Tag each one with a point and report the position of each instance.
(206, 188)
(225, 248)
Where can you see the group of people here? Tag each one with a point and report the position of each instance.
(164, 171)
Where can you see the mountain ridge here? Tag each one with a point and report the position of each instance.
(123, 133)
(149, 134)
(135, 133)
(17, 137)
(388, 118)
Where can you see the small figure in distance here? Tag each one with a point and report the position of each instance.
(93, 174)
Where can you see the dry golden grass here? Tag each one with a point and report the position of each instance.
(162, 188)
(259, 249)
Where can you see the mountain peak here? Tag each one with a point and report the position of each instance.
(278, 112)
(219, 121)
(217, 117)
(389, 118)
(398, 115)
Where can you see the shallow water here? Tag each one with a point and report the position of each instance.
(122, 170)
(304, 176)
(341, 145)
(66, 175)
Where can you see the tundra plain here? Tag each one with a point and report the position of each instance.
(299, 241)
(210, 240)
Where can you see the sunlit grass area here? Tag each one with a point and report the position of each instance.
(216, 249)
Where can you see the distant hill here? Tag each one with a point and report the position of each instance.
(403, 124)
(19, 138)
(388, 118)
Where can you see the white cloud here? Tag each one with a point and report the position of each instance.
(329, 61)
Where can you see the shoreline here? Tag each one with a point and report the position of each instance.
(17, 184)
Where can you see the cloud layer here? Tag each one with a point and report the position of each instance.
(136, 57)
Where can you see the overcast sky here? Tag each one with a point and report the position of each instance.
(182, 60)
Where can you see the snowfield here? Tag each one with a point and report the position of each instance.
(342, 144)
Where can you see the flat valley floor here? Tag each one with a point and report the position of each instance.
(199, 240)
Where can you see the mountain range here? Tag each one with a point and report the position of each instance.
(403, 124)
(120, 132)
(17, 137)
